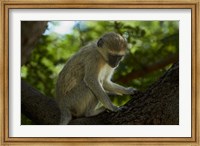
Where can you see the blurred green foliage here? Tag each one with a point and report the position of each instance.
(149, 43)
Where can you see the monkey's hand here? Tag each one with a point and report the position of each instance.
(130, 90)
(116, 109)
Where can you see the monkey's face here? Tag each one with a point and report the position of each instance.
(114, 60)
(112, 47)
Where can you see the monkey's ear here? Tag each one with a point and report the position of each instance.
(100, 42)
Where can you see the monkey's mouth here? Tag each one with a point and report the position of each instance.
(114, 60)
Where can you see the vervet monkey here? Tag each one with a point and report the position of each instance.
(86, 77)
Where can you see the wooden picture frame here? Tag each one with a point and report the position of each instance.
(32, 4)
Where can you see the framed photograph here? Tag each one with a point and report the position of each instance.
(105, 72)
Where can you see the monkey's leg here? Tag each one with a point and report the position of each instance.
(118, 89)
(79, 102)
(94, 106)
(95, 112)
(109, 93)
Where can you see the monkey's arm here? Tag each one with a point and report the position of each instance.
(99, 93)
(117, 89)
(91, 80)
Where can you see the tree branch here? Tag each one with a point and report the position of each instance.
(27, 42)
(42, 110)
(148, 69)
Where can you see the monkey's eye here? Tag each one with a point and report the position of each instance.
(118, 56)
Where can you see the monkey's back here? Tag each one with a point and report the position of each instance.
(74, 71)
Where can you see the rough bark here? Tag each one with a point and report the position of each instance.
(30, 33)
(158, 105)
(38, 107)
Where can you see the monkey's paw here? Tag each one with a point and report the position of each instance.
(131, 90)
(115, 108)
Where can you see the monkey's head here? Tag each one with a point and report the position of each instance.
(112, 47)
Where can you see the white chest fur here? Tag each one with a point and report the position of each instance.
(105, 73)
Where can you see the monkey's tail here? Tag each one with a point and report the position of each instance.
(65, 117)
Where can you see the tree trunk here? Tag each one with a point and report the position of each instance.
(158, 105)
(30, 34)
